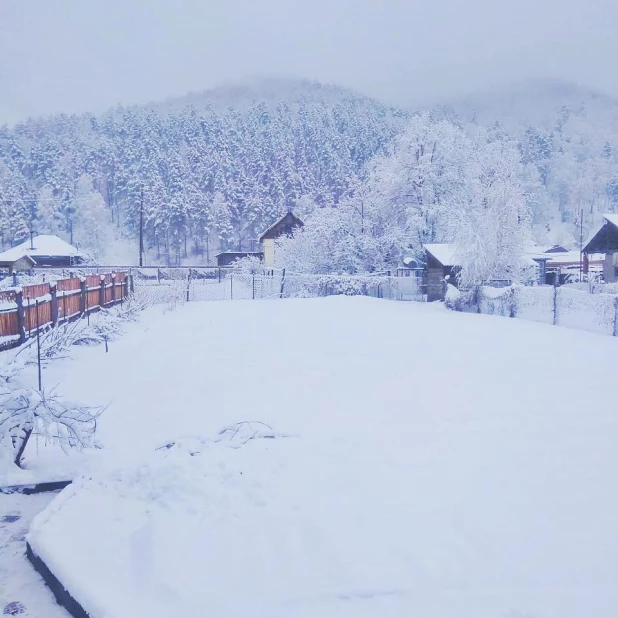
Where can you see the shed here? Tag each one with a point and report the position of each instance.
(605, 240)
(284, 226)
(44, 250)
(440, 263)
(25, 262)
(227, 258)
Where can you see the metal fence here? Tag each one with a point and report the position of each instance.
(230, 285)
(561, 306)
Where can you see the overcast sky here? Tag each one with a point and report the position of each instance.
(87, 55)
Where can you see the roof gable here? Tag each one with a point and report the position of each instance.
(13, 260)
(285, 225)
(605, 239)
(443, 252)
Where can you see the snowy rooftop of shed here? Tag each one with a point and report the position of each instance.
(44, 245)
(443, 252)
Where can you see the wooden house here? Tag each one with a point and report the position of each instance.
(605, 241)
(15, 264)
(440, 263)
(43, 250)
(284, 226)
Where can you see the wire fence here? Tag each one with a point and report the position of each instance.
(591, 310)
(230, 285)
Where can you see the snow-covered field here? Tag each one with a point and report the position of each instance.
(421, 462)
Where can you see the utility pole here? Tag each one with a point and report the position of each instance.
(141, 227)
(581, 243)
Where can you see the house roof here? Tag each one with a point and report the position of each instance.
(293, 220)
(10, 261)
(45, 245)
(608, 231)
(444, 253)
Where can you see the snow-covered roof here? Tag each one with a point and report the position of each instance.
(44, 245)
(15, 258)
(613, 219)
(443, 252)
(573, 257)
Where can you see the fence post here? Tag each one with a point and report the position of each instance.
(512, 302)
(616, 316)
(253, 285)
(114, 288)
(131, 286)
(555, 305)
(282, 283)
(38, 343)
(219, 275)
(231, 287)
(102, 292)
(54, 303)
(82, 298)
(188, 284)
(21, 316)
(158, 275)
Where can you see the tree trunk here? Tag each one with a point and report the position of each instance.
(22, 447)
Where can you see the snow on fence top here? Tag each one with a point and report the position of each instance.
(25, 310)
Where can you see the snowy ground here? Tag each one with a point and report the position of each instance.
(425, 463)
(22, 591)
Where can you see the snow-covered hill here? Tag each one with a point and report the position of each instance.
(273, 91)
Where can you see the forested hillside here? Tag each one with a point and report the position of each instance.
(211, 170)
(209, 177)
(568, 139)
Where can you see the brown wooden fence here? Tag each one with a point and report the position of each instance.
(23, 312)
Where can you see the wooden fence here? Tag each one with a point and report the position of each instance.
(33, 307)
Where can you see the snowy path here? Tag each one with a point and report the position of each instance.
(22, 591)
(443, 465)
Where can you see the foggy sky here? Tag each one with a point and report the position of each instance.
(87, 55)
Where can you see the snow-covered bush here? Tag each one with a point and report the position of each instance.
(250, 265)
(496, 301)
(458, 300)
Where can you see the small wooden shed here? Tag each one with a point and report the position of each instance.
(16, 264)
(227, 258)
(440, 262)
